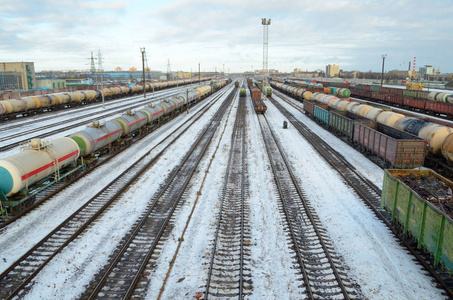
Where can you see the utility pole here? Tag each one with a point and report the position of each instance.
(266, 24)
(168, 70)
(101, 74)
(199, 74)
(383, 62)
(93, 70)
(143, 65)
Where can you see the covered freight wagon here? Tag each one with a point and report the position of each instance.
(255, 93)
(427, 214)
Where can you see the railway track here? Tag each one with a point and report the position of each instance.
(89, 117)
(53, 190)
(16, 278)
(321, 269)
(228, 276)
(366, 190)
(129, 268)
(17, 123)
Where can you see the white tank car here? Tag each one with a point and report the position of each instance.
(37, 161)
(131, 121)
(96, 136)
(153, 112)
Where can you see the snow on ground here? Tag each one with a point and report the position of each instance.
(270, 253)
(374, 258)
(367, 168)
(34, 226)
(81, 259)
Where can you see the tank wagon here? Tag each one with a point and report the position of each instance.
(439, 138)
(434, 103)
(49, 162)
(426, 214)
(10, 109)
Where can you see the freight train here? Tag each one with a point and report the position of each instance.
(439, 138)
(421, 212)
(433, 103)
(23, 174)
(12, 108)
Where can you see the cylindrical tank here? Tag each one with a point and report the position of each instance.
(450, 99)
(343, 93)
(401, 123)
(14, 105)
(414, 126)
(334, 102)
(351, 105)
(53, 100)
(96, 136)
(307, 95)
(172, 105)
(38, 161)
(356, 109)
(192, 96)
(388, 118)
(442, 97)
(373, 113)
(89, 95)
(37, 103)
(131, 121)
(342, 104)
(2, 108)
(65, 98)
(153, 112)
(447, 148)
(29, 103)
(435, 135)
(432, 96)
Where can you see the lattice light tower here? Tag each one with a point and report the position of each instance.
(266, 24)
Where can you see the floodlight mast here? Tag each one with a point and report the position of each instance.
(266, 24)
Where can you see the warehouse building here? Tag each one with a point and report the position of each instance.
(17, 75)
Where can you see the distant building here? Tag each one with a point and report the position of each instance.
(427, 70)
(51, 83)
(332, 71)
(118, 69)
(17, 75)
(297, 70)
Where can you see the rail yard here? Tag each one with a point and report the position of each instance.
(232, 194)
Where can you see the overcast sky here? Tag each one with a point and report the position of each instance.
(306, 34)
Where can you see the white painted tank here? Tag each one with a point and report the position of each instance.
(435, 135)
(342, 104)
(131, 121)
(2, 108)
(373, 113)
(39, 160)
(96, 136)
(389, 118)
(351, 105)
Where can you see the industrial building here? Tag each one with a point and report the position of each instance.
(50, 83)
(332, 71)
(17, 75)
